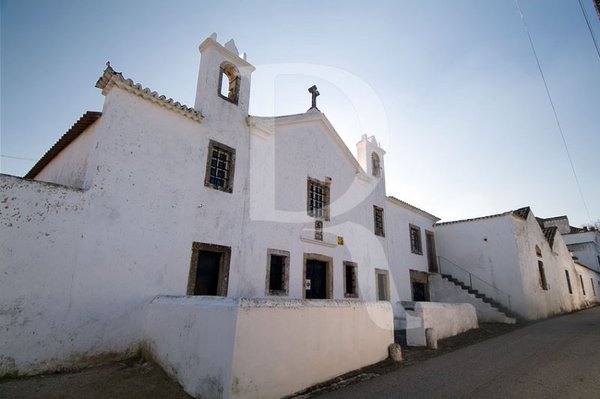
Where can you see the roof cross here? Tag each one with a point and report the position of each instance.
(314, 92)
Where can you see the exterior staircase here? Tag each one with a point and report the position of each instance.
(484, 298)
(446, 288)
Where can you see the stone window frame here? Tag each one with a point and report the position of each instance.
(229, 72)
(328, 270)
(416, 245)
(542, 273)
(569, 286)
(285, 273)
(325, 187)
(375, 164)
(212, 145)
(378, 221)
(353, 293)
(225, 252)
(386, 287)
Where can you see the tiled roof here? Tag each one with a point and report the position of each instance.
(521, 212)
(111, 78)
(549, 233)
(413, 208)
(79, 127)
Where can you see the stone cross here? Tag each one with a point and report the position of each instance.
(313, 90)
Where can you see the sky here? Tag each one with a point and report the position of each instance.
(450, 88)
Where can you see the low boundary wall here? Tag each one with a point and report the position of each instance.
(261, 348)
(444, 319)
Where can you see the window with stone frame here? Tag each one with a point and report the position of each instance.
(220, 167)
(382, 285)
(209, 269)
(278, 267)
(416, 246)
(229, 83)
(317, 202)
(378, 221)
(350, 280)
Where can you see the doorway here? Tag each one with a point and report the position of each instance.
(317, 277)
(431, 253)
(209, 270)
(419, 286)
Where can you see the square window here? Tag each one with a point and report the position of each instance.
(278, 264)
(317, 202)
(415, 240)
(220, 167)
(350, 280)
(382, 282)
(378, 219)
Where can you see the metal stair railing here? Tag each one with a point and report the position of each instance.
(474, 282)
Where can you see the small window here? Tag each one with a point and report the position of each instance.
(582, 286)
(278, 265)
(318, 199)
(543, 282)
(319, 230)
(220, 167)
(378, 216)
(593, 287)
(382, 282)
(538, 251)
(376, 164)
(229, 83)
(569, 282)
(350, 280)
(415, 240)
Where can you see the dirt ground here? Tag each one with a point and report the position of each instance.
(140, 379)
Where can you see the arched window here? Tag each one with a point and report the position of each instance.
(229, 83)
(376, 163)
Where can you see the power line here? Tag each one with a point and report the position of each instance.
(587, 21)
(562, 135)
(19, 158)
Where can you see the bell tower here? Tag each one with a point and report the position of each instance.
(223, 80)
(370, 156)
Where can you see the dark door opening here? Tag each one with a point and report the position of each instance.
(316, 279)
(431, 255)
(419, 291)
(207, 273)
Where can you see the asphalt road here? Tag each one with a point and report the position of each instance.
(556, 358)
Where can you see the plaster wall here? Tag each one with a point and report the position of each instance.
(445, 291)
(540, 302)
(445, 319)
(591, 285)
(224, 347)
(487, 249)
(75, 167)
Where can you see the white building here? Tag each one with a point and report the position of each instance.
(150, 197)
(516, 261)
(584, 243)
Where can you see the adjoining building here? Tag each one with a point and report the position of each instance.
(517, 261)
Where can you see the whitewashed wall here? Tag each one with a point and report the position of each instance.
(252, 348)
(586, 247)
(487, 249)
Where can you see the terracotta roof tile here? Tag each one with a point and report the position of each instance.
(79, 127)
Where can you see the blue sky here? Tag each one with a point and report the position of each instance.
(450, 88)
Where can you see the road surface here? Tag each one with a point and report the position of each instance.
(556, 358)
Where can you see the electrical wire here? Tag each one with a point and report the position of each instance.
(587, 21)
(562, 135)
